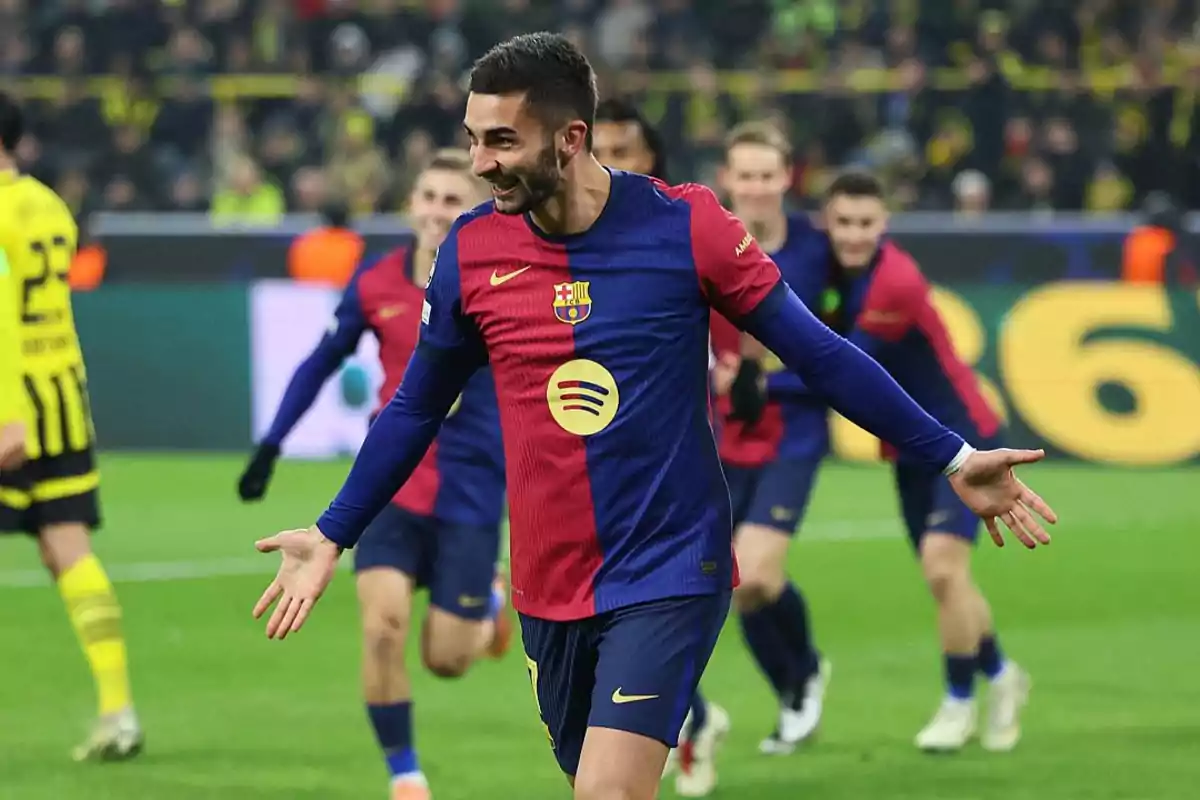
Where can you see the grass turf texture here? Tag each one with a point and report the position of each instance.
(1105, 619)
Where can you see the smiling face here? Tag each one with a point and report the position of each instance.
(756, 177)
(440, 195)
(855, 223)
(519, 155)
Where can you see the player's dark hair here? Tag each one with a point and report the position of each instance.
(623, 111)
(12, 123)
(855, 183)
(557, 80)
(760, 133)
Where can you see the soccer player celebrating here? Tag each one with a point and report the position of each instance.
(588, 292)
(624, 140)
(442, 530)
(888, 310)
(48, 478)
(772, 443)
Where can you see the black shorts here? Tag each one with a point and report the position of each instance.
(50, 491)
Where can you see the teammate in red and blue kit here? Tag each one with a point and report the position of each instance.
(589, 292)
(623, 139)
(888, 311)
(442, 529)
(771, 449)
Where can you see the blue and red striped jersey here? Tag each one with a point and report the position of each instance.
(461, 478)
(794, 423)
(896, 322)
(599, 347)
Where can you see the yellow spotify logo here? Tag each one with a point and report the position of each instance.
(583, 397)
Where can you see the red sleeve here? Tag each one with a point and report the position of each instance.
(896, 297)
(735, 274)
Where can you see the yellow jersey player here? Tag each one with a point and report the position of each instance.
(48, 478)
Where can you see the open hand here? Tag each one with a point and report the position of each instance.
(987, 484)
(306, 568)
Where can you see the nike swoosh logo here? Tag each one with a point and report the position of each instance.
(622, 699)
(498, 280)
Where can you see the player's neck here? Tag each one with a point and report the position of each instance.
(422, 264)
(7, 164)
(770, 233)
(579, 203)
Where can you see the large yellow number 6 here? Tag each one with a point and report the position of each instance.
(1054, 373)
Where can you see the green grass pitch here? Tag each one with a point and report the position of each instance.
(1107, 620)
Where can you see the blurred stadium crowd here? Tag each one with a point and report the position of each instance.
(251, 108)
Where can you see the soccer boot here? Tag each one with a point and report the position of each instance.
(798, 721)
(410, 787)
(697, 774)
(502, 633)
(951, 727)
(114, 737)
(1007, 696)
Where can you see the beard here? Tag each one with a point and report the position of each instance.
(530, 186)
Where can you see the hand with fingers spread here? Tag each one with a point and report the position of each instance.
(307, 566)
(987, 484)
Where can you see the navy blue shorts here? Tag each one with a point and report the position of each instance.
(457, 563)
(929, 504)
(774, 495)
(633, 669)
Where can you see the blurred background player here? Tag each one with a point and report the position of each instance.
(887, 311)
(48, 478)
(622, 557)
(623, 139)
(442, 530)
(771, 450)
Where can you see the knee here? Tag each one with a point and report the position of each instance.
(446, 660)
(62, 546)
(758, 588)
(384, 632)
(944, 577)
(603, 787)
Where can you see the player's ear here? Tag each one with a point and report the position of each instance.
(723, 177)
(572, 138)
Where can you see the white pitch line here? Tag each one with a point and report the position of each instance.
(193, 569)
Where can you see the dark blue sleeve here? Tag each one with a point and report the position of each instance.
(851, 382)
(339, 341)
(449, 352)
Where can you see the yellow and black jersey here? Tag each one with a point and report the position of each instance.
(42, 377)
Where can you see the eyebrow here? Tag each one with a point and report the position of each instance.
(490, 132)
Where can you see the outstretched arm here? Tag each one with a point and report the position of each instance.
(743, 283)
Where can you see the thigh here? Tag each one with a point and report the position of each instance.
(650, 660)
(561, 659)
(781, 495)
(397, 540)
(929, 504)
(49, 491)
(464, 569)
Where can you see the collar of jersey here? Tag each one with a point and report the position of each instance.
(605, 213)
(8, 176)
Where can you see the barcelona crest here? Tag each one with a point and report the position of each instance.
(572, 302)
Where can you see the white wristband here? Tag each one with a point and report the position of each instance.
(956, 463)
